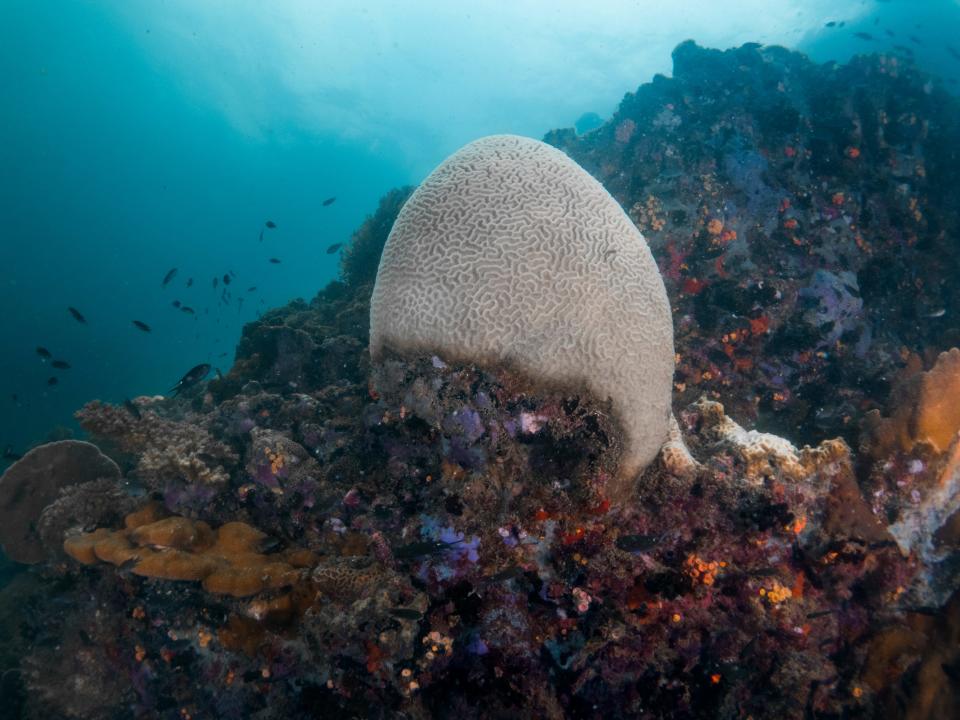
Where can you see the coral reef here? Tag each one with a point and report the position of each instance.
(477, 270)
(312, 535)
(792, 207)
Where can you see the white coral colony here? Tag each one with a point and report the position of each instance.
(510, 253)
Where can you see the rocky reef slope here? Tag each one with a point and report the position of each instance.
(310, 536)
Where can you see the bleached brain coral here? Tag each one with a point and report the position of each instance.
(509, 253)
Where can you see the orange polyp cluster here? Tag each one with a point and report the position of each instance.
(276, 460)
(702, 571)
(715, 226)
(776, 593)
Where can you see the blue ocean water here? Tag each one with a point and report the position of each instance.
(139, 136)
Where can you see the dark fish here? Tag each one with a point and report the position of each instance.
(275, 261)
(15, 398)
(9, 454)
(60, 364)
(329, 201)
(271, 224)
(77, 315)
(187, 309)
(232, 274)
(44, 353)
(219, 374)
(915, 39)
(863, 35)
(841, 23)
(141, 325)
(216, 281)
(132, 408)
(195, 375)
(261, 235)
(953, 51)
(405, 613)
(52, 381)
(928, 610)
(832, 23)
(511, 573)
(333, 248)
(176, 303)
(951, 671)
(422, 548)
(890, 33)
(226, 279)
(168, 277)
(251, 288)
(636, 543)
(819, 614)
(189, 282)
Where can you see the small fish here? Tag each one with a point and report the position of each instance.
(9, 454)
(511, 573)
(636, 543)
(271, 224)
(953, 51)
(937, 313)
(216, 281)
(405, 613)
(193, 376)
(189, 282)
(422, 548)
(819, 614)
(132, 408)
(252, 288)
(275, 261)
(15, 399)
(832, 23)
(187, 309)
(329, 201)
(226, 279)
(60, 364)
(863, 35)
(260, 238)
(841, 23)
(220, 374)
(333, 248)
(141, 325)
(44, 353)
(171, 273)
(915, 39)
(889, 32)
(77, 315)
(176, 303)
(232, 273)
(52, 381)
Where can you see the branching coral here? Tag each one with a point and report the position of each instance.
(166, 450)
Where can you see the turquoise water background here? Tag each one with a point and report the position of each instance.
(137, 136)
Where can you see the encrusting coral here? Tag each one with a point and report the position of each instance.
(35, 481)
(477, 269)
(227, 561)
